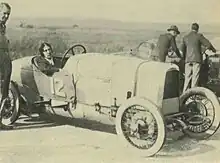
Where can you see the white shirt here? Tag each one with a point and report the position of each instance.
(50, 61)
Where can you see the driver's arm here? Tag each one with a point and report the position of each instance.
(46, 68)
(205, 42)
(174, 47)
(51, 69)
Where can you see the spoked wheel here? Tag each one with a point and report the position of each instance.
(202, 112)
(10, 106)
(141, 126)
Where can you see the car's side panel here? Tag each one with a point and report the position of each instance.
(22, 74)
(22, 71)
(93, 90)
(93, 80)
(59, 86)
(43, 82)
(123, 79)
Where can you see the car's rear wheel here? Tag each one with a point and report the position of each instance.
(140, 125)
(202, 112)
(10, 108)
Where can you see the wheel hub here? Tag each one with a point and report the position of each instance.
(138, 128)
(197, 107)
(7, 111)
(8, 107)
(198, 117)
(141, 126)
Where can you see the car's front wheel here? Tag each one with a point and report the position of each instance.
(141, 126)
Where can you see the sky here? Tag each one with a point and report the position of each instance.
(181, 11)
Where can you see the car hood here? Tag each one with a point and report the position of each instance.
(123, 72)
(99, 65)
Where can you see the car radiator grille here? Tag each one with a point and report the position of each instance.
(171, 87)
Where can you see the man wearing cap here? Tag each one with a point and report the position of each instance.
(165, 42)
(5, 61)
(191, 48)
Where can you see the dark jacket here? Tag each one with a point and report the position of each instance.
(192, 47)
(165, 42)
(5, 63)
(4, 47)
(45, 66)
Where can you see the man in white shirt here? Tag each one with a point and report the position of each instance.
(50, 61)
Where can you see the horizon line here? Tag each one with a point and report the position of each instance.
(116, 20)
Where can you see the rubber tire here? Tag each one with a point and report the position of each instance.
(215, 102)
(16, 112)
(157, 115)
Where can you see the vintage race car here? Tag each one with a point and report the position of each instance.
(142, 96)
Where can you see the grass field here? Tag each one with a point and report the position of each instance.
(25, 41)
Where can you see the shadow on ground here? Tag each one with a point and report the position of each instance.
(58, 120)
(33, 123)
(176, 144)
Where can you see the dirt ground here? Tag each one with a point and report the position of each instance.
(78, 140)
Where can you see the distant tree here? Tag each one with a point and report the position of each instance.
(29, 26)
(22, 24)
(75, 26)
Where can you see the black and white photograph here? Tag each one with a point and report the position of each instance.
(118, 81)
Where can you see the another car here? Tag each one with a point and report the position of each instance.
(142, 95)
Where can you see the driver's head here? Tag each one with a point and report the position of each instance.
(195, 27)
(46, 50)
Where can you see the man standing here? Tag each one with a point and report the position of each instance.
(165, 42)
(5, 61)
(191, 49)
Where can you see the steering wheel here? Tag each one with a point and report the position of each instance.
(71, 49)
(147, 44)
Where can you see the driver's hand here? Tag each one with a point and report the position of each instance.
(210, 53)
